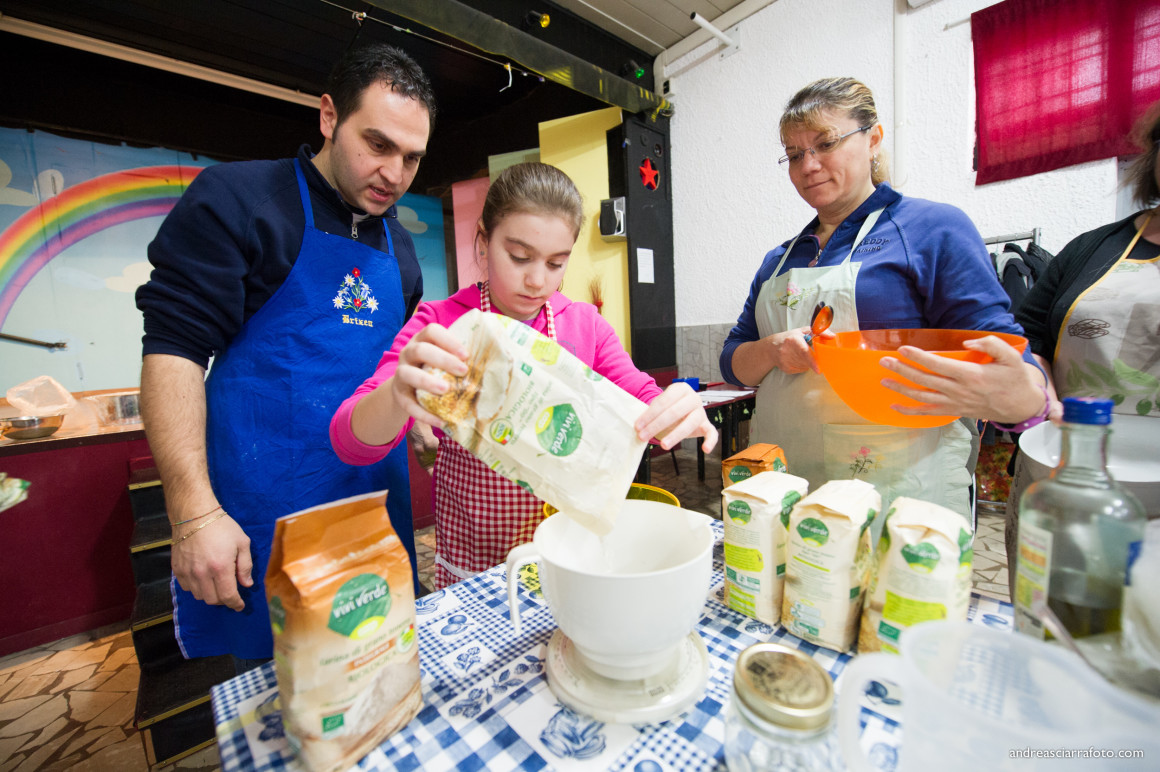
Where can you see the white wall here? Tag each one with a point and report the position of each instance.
(732, 203)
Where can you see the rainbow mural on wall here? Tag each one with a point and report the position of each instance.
(77, 212)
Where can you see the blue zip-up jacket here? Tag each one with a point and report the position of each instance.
(923, 265)
(231, 241)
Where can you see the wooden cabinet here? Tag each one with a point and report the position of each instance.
(64, 552)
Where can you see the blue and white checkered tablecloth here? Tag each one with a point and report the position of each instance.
(487, 704)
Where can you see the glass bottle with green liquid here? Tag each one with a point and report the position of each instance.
(1075, 531)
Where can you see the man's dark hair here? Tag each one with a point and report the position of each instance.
(367, 65)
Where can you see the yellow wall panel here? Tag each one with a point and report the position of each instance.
(578, 145)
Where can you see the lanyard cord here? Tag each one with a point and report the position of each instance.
(485, 305)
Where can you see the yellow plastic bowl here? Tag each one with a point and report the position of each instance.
(637, 491)
(850, 363)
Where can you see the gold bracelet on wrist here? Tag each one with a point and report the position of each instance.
(203, 525)
(199, 517)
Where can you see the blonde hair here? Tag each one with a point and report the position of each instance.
(533, 188)
(845, 95)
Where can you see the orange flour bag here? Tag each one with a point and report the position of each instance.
(342, 607)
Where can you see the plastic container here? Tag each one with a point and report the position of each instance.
(977, 699)
(780, 715)
(850, 361)
(1076, 529)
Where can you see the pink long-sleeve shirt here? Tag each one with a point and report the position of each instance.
(579, 328)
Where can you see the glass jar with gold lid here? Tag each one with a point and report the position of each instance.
(780, 714)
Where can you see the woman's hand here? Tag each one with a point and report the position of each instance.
(675, 414)
(1005, 390)
(786, 351)
(791, 352)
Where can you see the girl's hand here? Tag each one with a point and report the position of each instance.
(1005, 390)
(433, 346)
(675, 414)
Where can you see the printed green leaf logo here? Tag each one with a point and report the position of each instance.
(277, 615)
(360, 606)
(546, 351)
(813, 531)
(787, 504)
(870, 515)
(739, 473)
(592, 375)
(559, 431)
(501, 431)
(739, 511)
(778, 466)
(965, 550)
(922, 557)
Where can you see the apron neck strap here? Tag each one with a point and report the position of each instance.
(485, 306)
(304, 194)
(1136, 238)
(863, 232)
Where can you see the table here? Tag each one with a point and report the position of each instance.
(487, 704)
(726, 409)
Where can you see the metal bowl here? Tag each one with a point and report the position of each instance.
(30, 427)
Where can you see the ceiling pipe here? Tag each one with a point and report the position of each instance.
(135, 56)
(704, 24)
(493, 36)
(700, 37)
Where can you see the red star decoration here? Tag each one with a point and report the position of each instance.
(649, 174)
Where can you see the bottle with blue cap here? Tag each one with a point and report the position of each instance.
(1076, 529)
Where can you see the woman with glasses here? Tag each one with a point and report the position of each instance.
(1092, 316)
(880, 260)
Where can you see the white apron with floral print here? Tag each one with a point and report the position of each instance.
(1109, 346)
(825, 440)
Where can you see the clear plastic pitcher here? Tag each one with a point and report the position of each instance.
(975, 698)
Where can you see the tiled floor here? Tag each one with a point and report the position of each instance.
(69, 705)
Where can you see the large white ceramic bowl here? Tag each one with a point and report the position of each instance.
(1133, 455)
(628, 599)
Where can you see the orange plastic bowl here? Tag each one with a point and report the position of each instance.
(850, 362)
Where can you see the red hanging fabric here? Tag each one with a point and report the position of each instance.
(1059, 82)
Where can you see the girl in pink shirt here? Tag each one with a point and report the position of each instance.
(531, 218)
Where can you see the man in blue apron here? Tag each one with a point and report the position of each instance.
(295, 276)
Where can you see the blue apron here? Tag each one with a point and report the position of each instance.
(270, 398)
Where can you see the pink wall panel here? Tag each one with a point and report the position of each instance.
(467, 201)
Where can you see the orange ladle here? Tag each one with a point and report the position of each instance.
(823, 317)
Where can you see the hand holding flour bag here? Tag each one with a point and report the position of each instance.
(827, 564)
(539, 416)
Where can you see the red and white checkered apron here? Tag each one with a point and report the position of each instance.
(479, 515)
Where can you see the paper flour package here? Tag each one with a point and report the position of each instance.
(342, 607)
(922, 570)
(756, 516)
(827, 563)
(753, 460)
(536, 414)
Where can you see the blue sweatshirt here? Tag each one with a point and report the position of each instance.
(231, 241)
(923, 265)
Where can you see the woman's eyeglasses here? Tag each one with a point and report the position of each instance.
(824, 147)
